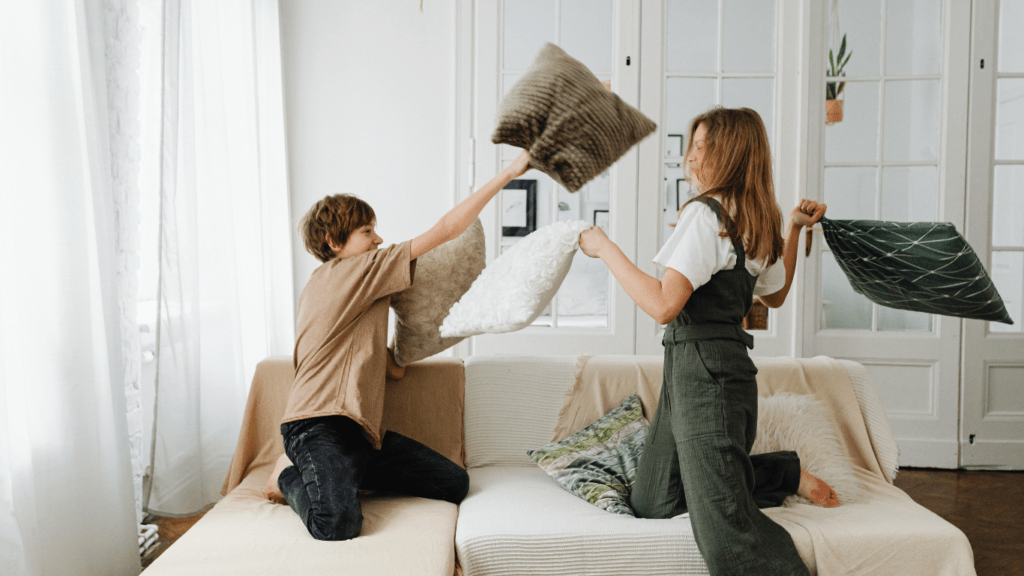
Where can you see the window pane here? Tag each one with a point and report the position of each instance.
(692, 36)
(850, 193)
(855, 139)
(912, 120)
(913, 37)
(748, 43)
(841, 307)
(755, 93)
(1008, 206)
(587, 32)
(1008, 276)
(910, 194)
(527, 26)
(1011, 41)
(1010, 119)
(861, 21)
(892, 320)
(685, 98)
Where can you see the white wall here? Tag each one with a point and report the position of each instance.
(370, 96)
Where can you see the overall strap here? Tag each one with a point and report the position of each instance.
(727, 223)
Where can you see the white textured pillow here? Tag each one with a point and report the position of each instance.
(800, 423)
(512, 292)
(442, 276)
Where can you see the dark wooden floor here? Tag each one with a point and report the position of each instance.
(987, 506)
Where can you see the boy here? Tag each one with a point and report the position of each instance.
(332, 424)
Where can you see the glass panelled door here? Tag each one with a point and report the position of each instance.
(699, 54)
(590, 313)
(890, 148)
(993, 402)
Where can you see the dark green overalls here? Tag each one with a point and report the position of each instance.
(696, 457)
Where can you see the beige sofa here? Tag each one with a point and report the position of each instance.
(516, 520)
(245, 534)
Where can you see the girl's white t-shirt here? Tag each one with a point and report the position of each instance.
(696, 251)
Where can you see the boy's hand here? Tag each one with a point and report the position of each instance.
(592, 240)
(807, 213)
(394, 371)
(521, 164)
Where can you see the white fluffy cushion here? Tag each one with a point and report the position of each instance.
(800, 423)
(442, 276)
(512, 292)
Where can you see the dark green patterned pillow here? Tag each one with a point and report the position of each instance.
(919, 266)
(599, 462)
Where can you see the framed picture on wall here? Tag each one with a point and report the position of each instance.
(519, 208)
(601, 219)
(674, 145)
(682, 192)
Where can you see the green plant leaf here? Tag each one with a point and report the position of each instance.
(840, 90)
(842, 49)
(843, 65)
(832, 64)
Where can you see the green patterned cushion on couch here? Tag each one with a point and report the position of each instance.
(599, 462)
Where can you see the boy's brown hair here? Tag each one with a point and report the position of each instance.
(334, 217)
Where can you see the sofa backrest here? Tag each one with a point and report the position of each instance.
(512, 403)
(426, 405)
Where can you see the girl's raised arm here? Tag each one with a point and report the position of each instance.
(806, 213)
(462, 215)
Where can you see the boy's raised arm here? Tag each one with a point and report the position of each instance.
(462, 215)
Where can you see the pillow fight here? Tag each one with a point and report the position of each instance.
(729, 248)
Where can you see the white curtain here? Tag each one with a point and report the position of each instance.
(225, 280)
(66, 496)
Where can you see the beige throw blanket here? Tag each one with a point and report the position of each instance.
(884, 532)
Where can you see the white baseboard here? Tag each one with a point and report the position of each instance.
(915, 452)
(994, 454)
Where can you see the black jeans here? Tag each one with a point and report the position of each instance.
(332, 460)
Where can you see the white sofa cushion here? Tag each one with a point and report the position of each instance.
(518, 521)
(245, 534)
(512, 403)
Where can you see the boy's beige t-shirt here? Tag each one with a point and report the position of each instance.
(341, 337)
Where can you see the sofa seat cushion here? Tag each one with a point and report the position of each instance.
(245, 534)
(517, 520)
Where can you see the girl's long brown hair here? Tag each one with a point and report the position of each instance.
(737, 167)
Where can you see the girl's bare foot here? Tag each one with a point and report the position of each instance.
(815, 490)
(273, 493)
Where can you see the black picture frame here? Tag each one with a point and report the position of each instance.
(530, 209)
(596, 212)
(671, 145)
(681, 194)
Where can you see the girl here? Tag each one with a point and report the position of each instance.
(727, 248)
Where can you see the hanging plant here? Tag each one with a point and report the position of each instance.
(836, 65)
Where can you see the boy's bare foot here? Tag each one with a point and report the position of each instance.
(394, 371)
(815, 490)
(272, 492)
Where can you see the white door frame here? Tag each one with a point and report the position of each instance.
(619, 336)
(989, 437)
(791, 29)
(926, 432)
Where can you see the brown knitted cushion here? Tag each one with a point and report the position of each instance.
(573, 127)
(442, 276)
